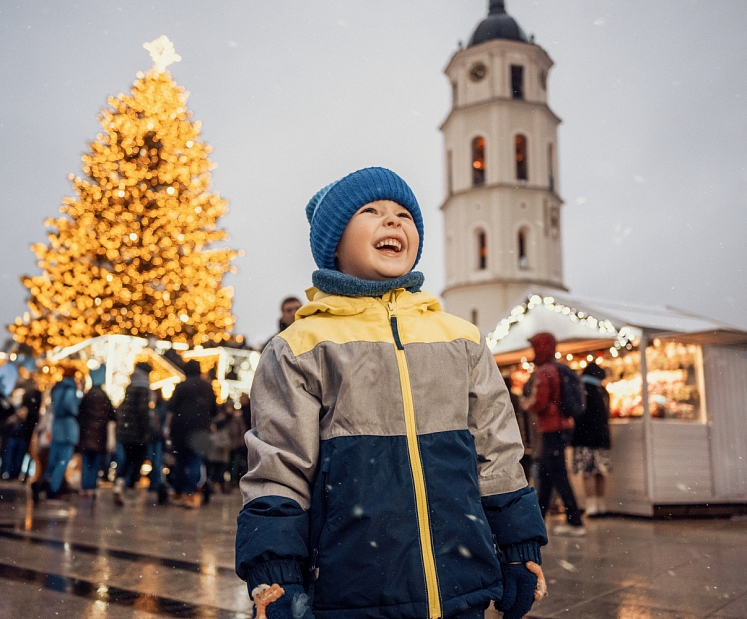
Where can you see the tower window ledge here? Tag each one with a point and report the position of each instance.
(480, 276)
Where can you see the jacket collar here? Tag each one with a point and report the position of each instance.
(337, 305)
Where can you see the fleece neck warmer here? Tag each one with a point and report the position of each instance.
(331, 281)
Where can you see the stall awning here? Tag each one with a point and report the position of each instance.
(583, 324)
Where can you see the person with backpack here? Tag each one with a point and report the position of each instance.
(555, 397)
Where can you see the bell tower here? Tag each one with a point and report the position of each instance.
(502, 206)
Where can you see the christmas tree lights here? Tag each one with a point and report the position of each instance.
(134, 252)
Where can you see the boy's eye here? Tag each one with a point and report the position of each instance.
(369, 209)
(406, 215)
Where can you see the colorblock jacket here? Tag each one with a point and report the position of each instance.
(384, 463)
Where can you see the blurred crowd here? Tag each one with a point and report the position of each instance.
(182, 448)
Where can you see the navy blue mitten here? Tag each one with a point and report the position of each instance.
(518, 590)
(293, 604)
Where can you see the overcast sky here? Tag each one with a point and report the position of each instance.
(295, 94)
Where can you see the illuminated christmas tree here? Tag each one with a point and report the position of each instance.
(132, 253)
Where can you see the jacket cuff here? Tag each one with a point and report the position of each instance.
(521, 553)
(281, 572)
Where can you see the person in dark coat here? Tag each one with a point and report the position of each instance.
(32, 401)
(7, 417)
(155, 449)
(522, 419)
(133, 429)
(20, 427)
(191, 408)
(591, 440)
(96, 411)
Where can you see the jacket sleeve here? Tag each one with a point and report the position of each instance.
(516, 522)
(493, 425)
(272, 538)
(510, 506)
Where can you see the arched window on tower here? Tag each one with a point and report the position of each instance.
(522, 248)
(517, 81)
(482, 250)
(478, 161)
(550, 167)
(473, 317)
(520, 142)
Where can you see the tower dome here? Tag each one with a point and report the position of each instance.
(497, 25)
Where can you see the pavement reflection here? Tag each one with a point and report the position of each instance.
(90, 559)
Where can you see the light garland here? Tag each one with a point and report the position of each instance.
(605, 328)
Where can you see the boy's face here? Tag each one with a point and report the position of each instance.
(380, 242)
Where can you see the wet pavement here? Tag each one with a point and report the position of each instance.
(89, 559)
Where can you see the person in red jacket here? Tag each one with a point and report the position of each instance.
(555, 428)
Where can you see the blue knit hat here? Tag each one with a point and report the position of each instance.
(331, 208)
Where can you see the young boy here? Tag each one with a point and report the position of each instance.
(384, 465)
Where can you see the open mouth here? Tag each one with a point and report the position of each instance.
(389, 245)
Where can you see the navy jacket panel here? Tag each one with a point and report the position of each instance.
(366, 552)
(462, 538)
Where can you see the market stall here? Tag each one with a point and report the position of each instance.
(232, 369)
(119, 353)
(685, 444)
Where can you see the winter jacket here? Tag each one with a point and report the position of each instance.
(133, 415)
(7, 417)
(544, 399)
(592, 427)
(384, 463)
(32, 399)
(96, 411)
(65, 403)
(192, 407)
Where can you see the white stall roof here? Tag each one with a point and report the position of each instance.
(574, 319)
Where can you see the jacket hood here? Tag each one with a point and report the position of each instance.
(544, 348)
(323, 303)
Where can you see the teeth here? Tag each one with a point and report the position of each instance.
(389, 243)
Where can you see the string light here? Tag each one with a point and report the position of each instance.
(134, 250)
(624, 337)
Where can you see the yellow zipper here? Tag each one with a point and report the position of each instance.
(421, 501)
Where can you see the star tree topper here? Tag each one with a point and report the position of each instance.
(162, 52)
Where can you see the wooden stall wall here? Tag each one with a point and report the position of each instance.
(682, 463)
(627, 491)
(726, 402)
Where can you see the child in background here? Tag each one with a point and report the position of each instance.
(384, 476)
